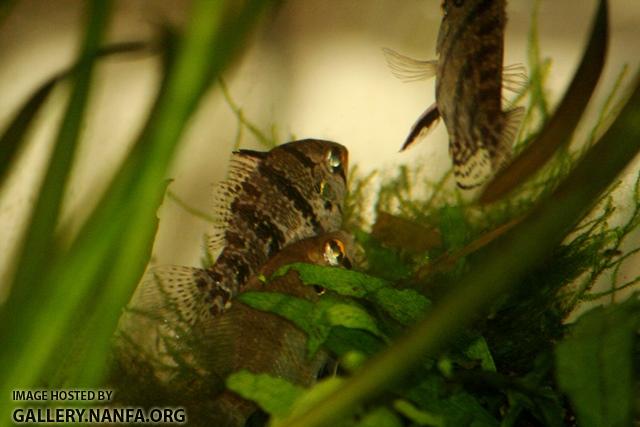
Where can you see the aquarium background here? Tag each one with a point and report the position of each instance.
(162, 120)
(310, 69)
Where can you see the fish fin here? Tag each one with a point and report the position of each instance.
(409, 69)
(512, 120)
(242, 165)
(514, 78)
(423, 126)
(173, 293)
(473, 171)
(159, 325)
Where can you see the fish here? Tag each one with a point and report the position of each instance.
(271, 344)
(269, 201)
(470, 79)
(262, 342)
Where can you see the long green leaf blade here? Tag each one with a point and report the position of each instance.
(564, 121)
(209, 43)
(38, 246)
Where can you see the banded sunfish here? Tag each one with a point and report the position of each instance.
(269, 201)
(469, 83)
(263, 342)
(240, 338)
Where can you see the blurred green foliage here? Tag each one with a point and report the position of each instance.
(464, 322)
(57, 321)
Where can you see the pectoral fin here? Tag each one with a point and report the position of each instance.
(423, 126)
(408, 69)
(514, 77)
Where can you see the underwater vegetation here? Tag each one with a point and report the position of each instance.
(457, 312)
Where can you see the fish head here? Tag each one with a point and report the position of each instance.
(335, 249)
(324, 180)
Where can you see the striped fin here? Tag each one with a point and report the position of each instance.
(161, 324)
(242, 165)
(423, 126)
(174, 293)
(408, 69)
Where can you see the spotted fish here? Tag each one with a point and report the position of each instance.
(246, 338)
(469, 83)
(269, 343)
(270, 200)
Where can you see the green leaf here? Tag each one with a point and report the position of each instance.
(339, 312)
(211, 38)
(344, 282)
(547, 409)
(342, 340)
(13, 138)
(297, 310)
(595, 364)
(404, 305)
(479, 350)
(379, 417)
(15, 135)
(36, 327)
(312, 396)
(418, 416)
(275, 395)
(318, 319)
(456, 408)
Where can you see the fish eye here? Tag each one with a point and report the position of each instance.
(334, 253)
(458, 3)
(334, 160)
(319, 289)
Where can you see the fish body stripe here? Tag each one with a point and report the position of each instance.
(288, 189)
(264, 228)
(300, 156)
(475, 14)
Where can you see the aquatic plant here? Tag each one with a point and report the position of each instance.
(459, 312)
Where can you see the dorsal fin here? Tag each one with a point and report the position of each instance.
(242, 165)
(423, 126)
(409, 69)
(259, 155)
